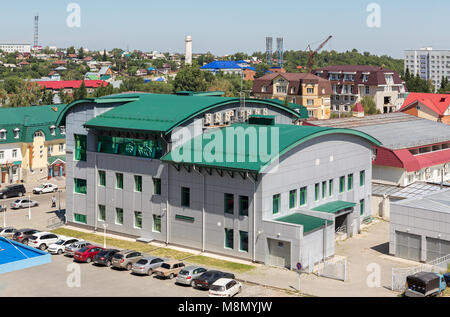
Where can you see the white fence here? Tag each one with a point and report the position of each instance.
(335, 268)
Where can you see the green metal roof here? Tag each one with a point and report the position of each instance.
(309, 223)
(53, 159)
(29, 120)
(334, 206)
(226, 153)
(159, 112)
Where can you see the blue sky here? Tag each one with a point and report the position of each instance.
(224, 27)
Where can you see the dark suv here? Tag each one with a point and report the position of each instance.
(104, 257)
(12, 191)
(205, 280)
(23, 235)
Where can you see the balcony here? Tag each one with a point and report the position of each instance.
(130, 147)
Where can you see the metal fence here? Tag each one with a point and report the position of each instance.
(399, 274)
(335, 268)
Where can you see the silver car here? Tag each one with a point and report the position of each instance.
(74, 247)
(147, 264)
(188, 274)
(7, 232)
(23, 203)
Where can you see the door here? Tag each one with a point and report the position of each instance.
(279, 253)
(437, 248)
(408, 246)
(4, 174)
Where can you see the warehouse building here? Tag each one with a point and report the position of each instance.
(138, 163)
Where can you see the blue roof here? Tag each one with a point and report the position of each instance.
(222, 65)
(251, 68)
(151, 68)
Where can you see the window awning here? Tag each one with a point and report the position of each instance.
(334, 206)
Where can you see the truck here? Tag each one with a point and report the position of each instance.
(424, 284)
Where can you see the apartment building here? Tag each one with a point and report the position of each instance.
(429, 64)
(124, 171)
(12, 48)
(351, 83)
(302, 89)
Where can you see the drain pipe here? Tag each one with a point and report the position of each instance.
(167, 205)
(254, 219)
(203, 207)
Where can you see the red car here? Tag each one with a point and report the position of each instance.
(87, 253)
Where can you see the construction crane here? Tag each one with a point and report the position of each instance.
(312, 53)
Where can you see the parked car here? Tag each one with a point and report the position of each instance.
(45, 188)
(208, 278)
(169, 269)
(225, 287)
(189, 273)
(447, 278)
(74, 247)
(42, 240)
(87, 253)
(147, 265)
(59, 247)
(424, 284)
(12, 191)
(125, 259)
(24, 203)
(104, 257)
(7, 232)
(23, 235)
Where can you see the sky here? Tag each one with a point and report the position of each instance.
(227, 27)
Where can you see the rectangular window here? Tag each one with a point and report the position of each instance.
(350, 182)
(302, 196)
(362, 206)
(119, 180)
(362, 178)
(229, 203)
(229, 238)
(292, 198)
(276, 203)
(341, 184)
(138, 183)
(243, 243)
(119, 216)
(2, 155)
(316, 191)
(324, 189)
(243, 205)
(80, 185)
(138, 219)
(156, 223)
(330, 187)
(80, 147)
(185, 197)
(101, 212)
(80, 218)
(102, 178)
(156, 186)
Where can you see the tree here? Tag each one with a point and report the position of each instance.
(71, 50)
(81, 92)
(190, 78)
(104, 57)
(47, 98)
(261, 69)
(369, 105)
(81, 53)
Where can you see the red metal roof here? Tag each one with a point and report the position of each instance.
(358, 108)
(439, 103)
(63, 84)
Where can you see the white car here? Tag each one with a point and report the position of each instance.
(42, 240)
(225, 287)
(45, 188)
(59, 247)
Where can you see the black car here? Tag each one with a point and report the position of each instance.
(209, 277)
(23, 235)
(104, 257)
(447, 278)
(12, 191)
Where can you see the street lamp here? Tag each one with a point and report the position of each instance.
(3, 208)
(29, 207)
(104, 235)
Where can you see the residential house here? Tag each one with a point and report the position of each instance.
(434, 107)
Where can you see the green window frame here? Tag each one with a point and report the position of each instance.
(316, 191)
(138, 219)
(276, 203)
(324, 189)
(362, 206)
(138, 183)
(156, 223)
(229, 203)
(303, 192)
(119, 180)
(80, 147)
(243, 241)
(102, 212)
(229, 238)
(292, 198)
(80, 218)
(349, 182)
(362, 178)
(185, 197)
(102, 178)
(243, 205)
(80, 186)
(341, 184)
(119, 216)
(157, 186)
(330, 187)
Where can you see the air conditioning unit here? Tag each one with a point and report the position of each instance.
(417, 173)
(247, 114)
(256, 111)
(265, 111)
(241, 114)
(217, 117)
(208, 118)
(228, 116)
(446, 168)
(428, 172)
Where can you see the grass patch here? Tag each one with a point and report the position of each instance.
(152, 250)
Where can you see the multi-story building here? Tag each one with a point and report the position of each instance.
(302, 89)
(434, 107)
(69, 86)
(429, 64)
(30, 142)
(351, 83)
(12, 48)
(124, 171)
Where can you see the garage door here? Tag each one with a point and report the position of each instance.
(408, 246)
(437, 248)
(279, 253)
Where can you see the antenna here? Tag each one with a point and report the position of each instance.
(36, 30)
(269, 41)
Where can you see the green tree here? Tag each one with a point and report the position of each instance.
(81, 53)
(369, 105)
(71, 50)
(47, 98)
(81, 92)
(190, 78)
